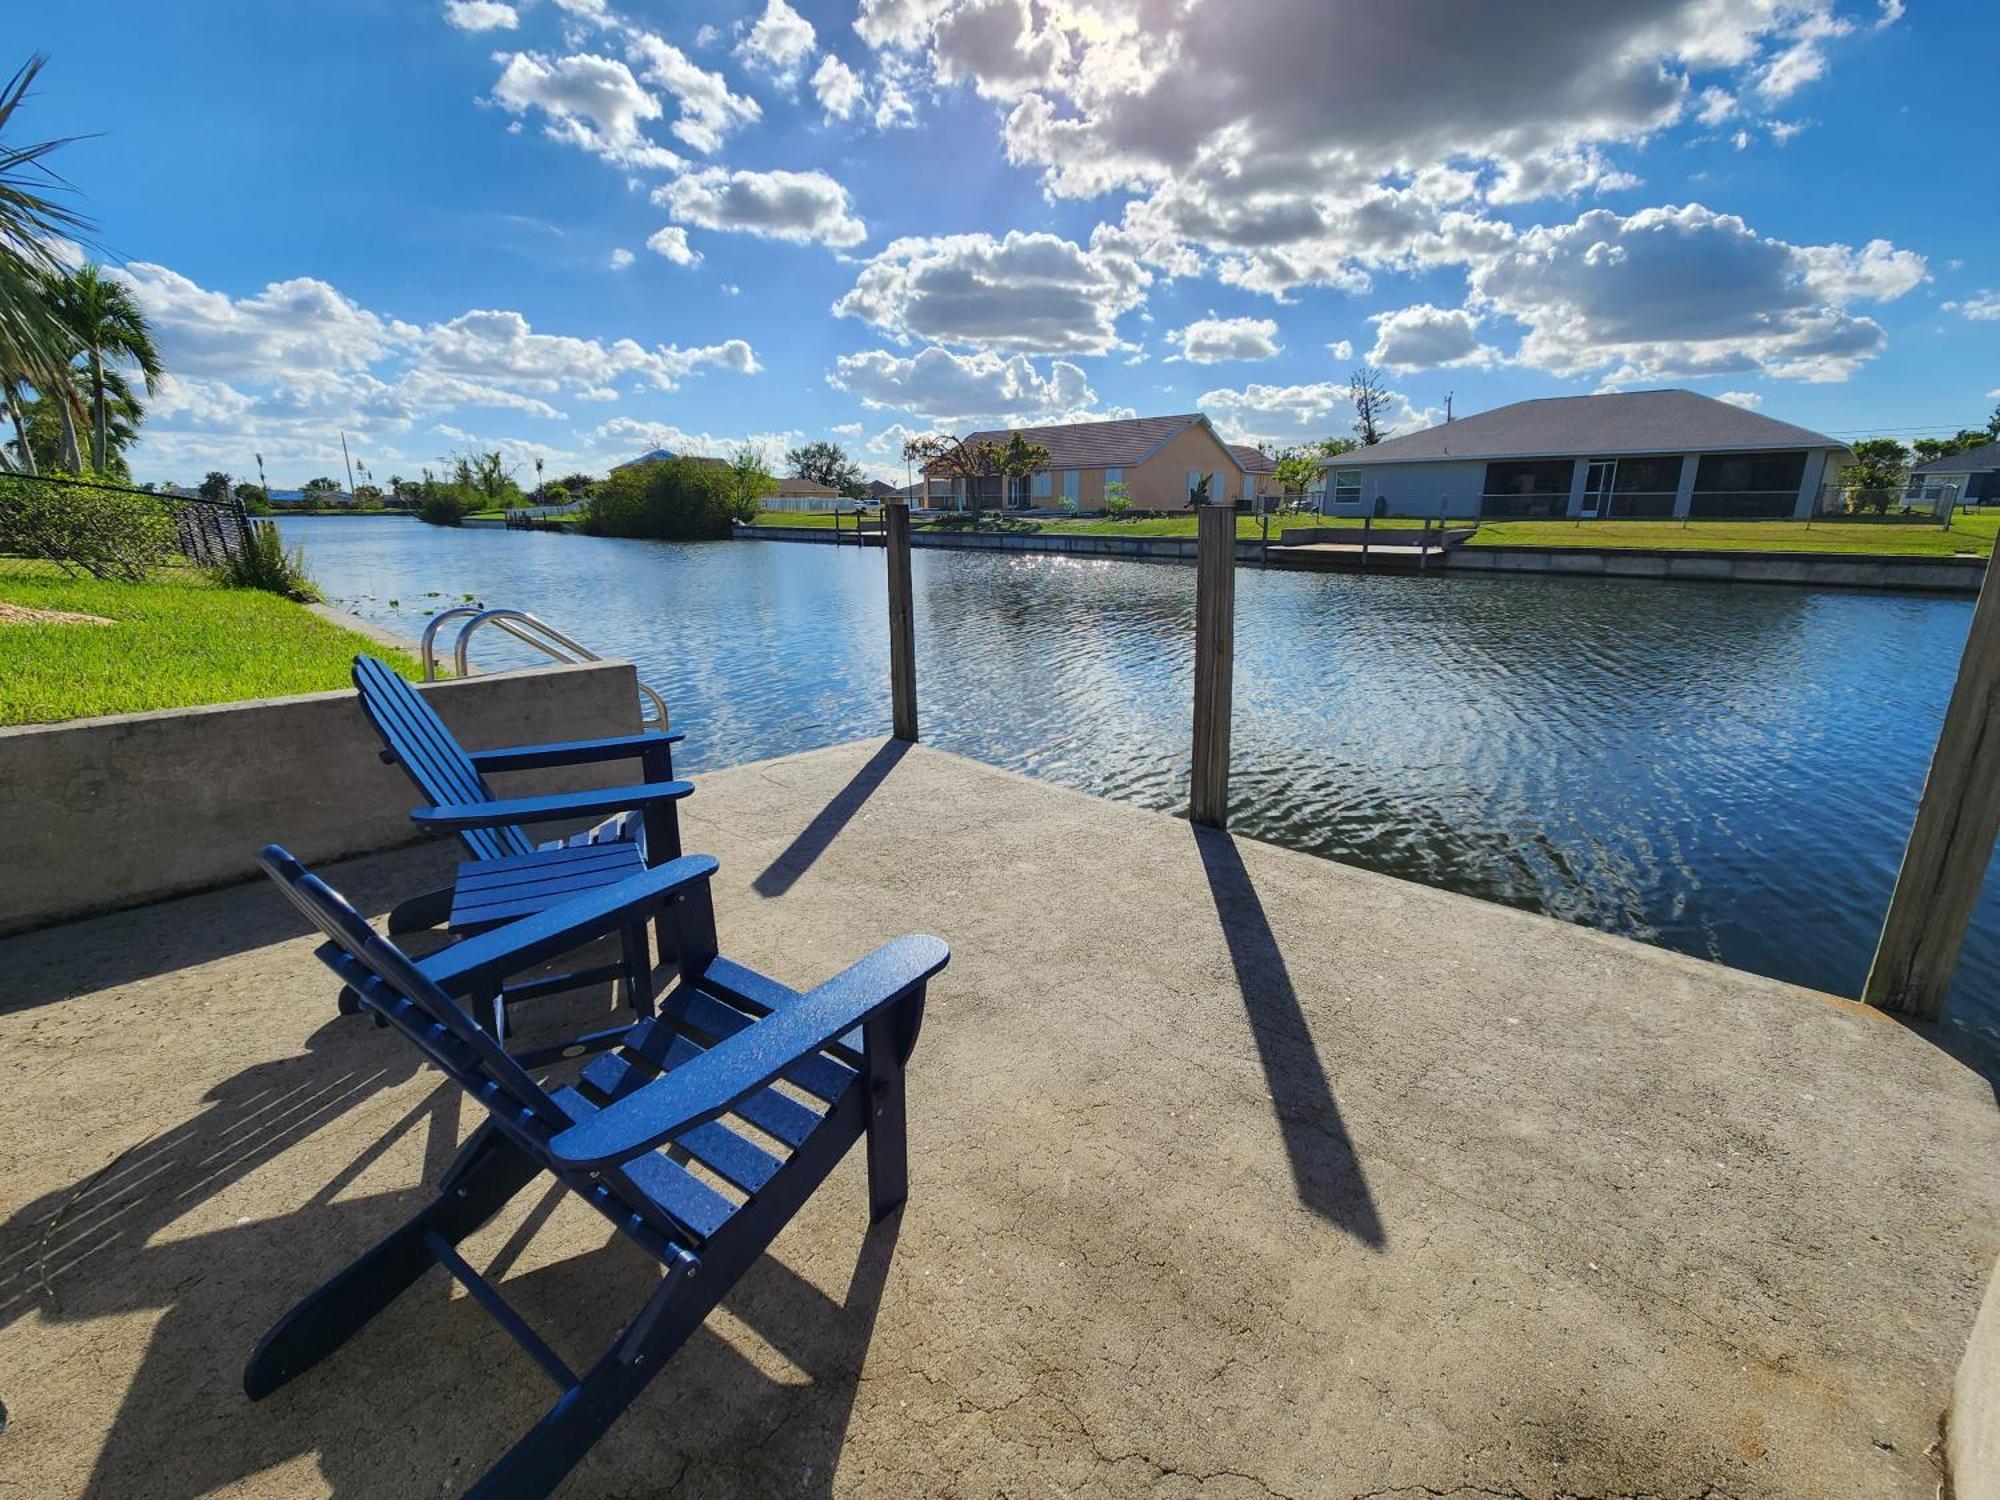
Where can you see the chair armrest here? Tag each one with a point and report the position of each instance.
(481, 962)
(571, 752)
(452, 816)
(705, 1086)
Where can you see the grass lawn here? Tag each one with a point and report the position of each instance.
(1901, 538)
(175, 642)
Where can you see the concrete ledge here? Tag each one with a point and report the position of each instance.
(110, 812)
(1972, 1432)
(1235, 1174)
(1956, 575)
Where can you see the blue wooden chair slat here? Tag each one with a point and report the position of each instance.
(430, 754)
(627, 1140)
(696, 1210)
(692, 1006)
(664, 1049)
(751, 991)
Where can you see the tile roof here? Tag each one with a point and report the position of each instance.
(1667, 421)
(1253, 460)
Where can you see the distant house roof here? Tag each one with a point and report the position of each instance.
(1970, 461)
(1667, 421)
(881, 488)
(793, 488)
(656, 456)
(1253, 460)
(1097, 445)
(667, 455)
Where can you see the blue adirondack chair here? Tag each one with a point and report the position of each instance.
(681, 1081)
(509, 875)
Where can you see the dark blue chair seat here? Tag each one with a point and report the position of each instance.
(697, 1084)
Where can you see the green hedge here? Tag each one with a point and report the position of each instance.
(677, 500)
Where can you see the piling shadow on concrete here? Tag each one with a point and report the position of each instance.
(783, 872)
(1325, 1169)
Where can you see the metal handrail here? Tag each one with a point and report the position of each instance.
(530, 630)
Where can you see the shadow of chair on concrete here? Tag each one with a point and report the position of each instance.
(63, 1252)
(431, 1393)
(798, 857)
(1325, 1169)
(184, 932)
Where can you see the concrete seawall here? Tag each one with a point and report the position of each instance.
(1956, 575)
(1152, 548)
(109, 812)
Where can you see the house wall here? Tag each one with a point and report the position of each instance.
(1414, 489)
(1161, 483)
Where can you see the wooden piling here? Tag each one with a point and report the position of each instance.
(1958, 817)
(1214, 662)
(902, 622)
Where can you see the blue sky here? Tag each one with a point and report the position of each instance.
(576, 229)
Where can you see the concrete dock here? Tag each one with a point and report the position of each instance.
(1236, 1174)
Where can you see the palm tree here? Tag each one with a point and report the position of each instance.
(33, 348)
(106, 325)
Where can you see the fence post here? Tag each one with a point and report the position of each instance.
(1367, 525)
(902, 621)
(1952, 839)
(1214, 662)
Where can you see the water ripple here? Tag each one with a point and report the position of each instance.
(1730, 771)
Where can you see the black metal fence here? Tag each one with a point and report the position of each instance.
(205, 532)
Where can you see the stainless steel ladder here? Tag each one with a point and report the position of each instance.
(531, 631)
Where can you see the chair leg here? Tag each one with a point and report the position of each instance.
(487, 1173)
(638, 969)
(420, 913)
(584, 1413)
(888, 1131)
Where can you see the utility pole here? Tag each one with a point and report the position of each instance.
(1447, 405)
(347, 461)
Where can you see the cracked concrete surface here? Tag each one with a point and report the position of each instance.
(1236, 1174)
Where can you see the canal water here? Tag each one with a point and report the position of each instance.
(1728, 770)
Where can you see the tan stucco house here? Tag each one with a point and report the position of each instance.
(1159, 460)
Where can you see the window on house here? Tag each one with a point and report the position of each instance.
(1039, 486)
(1072, 485)
(1346, 487)
(1114, 476)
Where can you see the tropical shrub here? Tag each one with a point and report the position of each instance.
(106, 533)
(675, 500)
(263, 563)
(445, 503)
(1118, 500)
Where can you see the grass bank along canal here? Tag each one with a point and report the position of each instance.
(1725, 770)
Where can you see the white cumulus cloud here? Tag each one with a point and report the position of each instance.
(1022, 293)
(480, 15)
(799, 207)
(1210, 340)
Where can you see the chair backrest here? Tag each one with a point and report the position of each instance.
(390, 983)
(430, 754)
